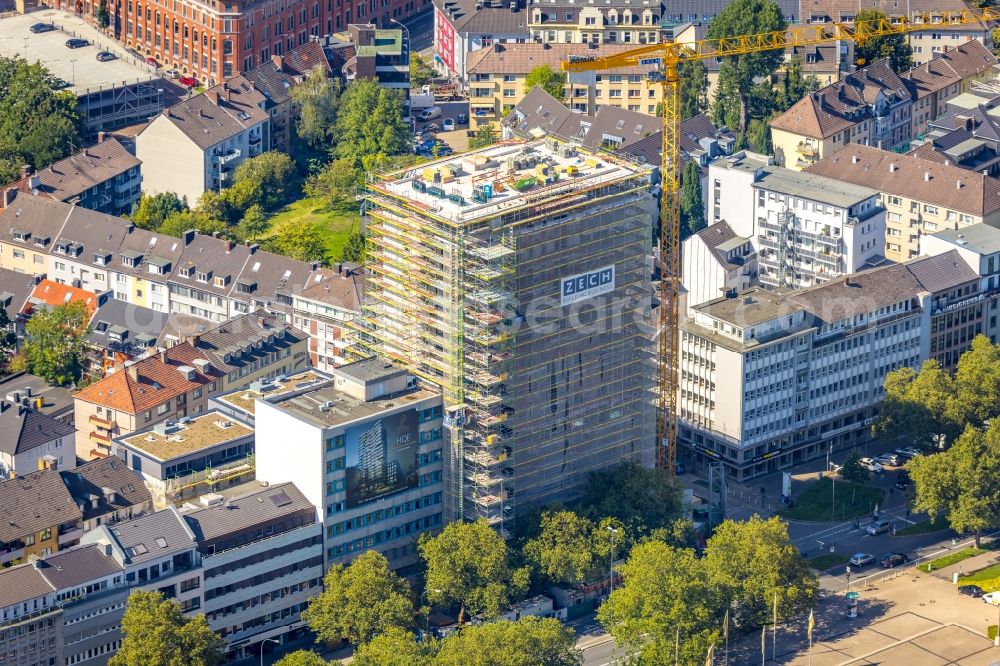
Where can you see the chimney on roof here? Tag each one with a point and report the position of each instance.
(339, 267)
(213, 97)
(163, 356)
(254, 248)
(8, 196)
(133, 372)
(229, 96)
(855, 159)
(927, 175)
(101, 136)
(189, 236)
(892, 167)
(947, 162)
(229, 246)
(26, 170)
(958, 184)
(279, 62)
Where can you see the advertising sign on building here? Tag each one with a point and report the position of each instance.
(381, 457)
(580, 287)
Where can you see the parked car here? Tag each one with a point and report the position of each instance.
(188, 81)
(973, 591)
(448, 125)
(908, 452)
(892, 560)
(431, 113)
(42, 27)
(76, 43)
(430, 127)
(891, 459)
(861, 559)
(871, 465)
(105, 56)
(135, 54)
(462, 119)
(992, 598)
(878, 527)
(152, 61)
(58, 84)
(902, 482)
(172, 74)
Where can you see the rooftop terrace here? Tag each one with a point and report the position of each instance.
(168, 441)
(483, 183)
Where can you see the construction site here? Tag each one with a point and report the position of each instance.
(515, 278)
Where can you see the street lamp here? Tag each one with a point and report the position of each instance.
(614, 533)
(427, 618)
(266, 640)
(73, 63)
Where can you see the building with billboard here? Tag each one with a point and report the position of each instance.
(365, 447)
(515, 278)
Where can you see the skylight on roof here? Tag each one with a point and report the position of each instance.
(140, 549)
(256, 266)
(161, 542)
(287, 275)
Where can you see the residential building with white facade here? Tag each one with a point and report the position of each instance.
(323, 310)
(366, 449)
(31, 440)
(715, 262)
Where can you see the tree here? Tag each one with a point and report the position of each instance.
(360, 601)
(254, 223)
(7, 341)
(753, 561)
(298, 239)
(794, 85)
(468, 565)
(531, 641)
(962, 483)
(420, 72)
(177, 223)
(356, 247)
(37, 124)
(214, 205)
(395, 647)
(316, 100)
(156, 633)
(692, 208)
(262, 180)
(666, 593)
(566, 550)
(737, 74)
(639, 498)
(692, 88)
(370, 125)
(486, 135)
(302, 658)
(337, 183)
(977, 383)
(895, 47)
(151, 210)
(551, 81)
(55, 342)
(758, 136)
(920, 406)
(852, 469)
(102, 15)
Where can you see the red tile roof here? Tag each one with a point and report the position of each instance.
(52, 293)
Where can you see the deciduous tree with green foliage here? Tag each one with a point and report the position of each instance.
(360, 601)
(254, 223)
(7, 341)
(396, 647)
(177, 223)
(298, 239)
(55, 343)
(962, 484)
(920, 406)
(337, 183)
(151, 210)
(316, 99)
(551, 81)
(420, 72)
(356, 247)
(692, 88)
(852, 469)
(794, 85)
(263, 180)
(640, 498)
(692, 207)
(531, 641)
(156, 633)
(302, 658)
(737, 74)
(370, 126)
(468, 565)
(102, 15)
(895, 47)
(751, 562)
(486, 135)
(567, 551)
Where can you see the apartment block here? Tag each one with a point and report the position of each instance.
(715, 262)
(191, 457)
(631, 22)
(103, 177)
(367, 449)
(949, 74)
(515, 279)
(920, 196)
(966, 135)
(31, 619)
(121, 332)
(323, 310)
(462, 27)
(36, 508)
(210, 134)
(381, 55)
(496, 76)
(31, 440)
(262, 560)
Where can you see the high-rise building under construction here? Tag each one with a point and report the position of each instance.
(515, 277)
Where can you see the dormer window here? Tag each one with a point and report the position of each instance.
(41, 241)
(204, 276)
(186, 271)
(221, 281)
(102, 258)
(245, 286)
(22, 236)
(131, 259)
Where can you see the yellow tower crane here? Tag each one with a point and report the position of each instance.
(664, 58)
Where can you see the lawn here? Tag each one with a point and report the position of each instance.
(952, 558)
(923, 527)
(853, 499)
(336, 223)
(827, 561)
(988, 578)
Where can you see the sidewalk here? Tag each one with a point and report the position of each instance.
(968, 565)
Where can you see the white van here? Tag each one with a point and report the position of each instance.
(431, 113)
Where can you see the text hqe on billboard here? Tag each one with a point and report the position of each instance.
(381, 457)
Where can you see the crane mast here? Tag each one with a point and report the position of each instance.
(666, 57)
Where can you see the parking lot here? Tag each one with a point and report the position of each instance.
(78, 67)
(456, 139)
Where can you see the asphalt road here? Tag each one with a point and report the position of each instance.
(421, 29)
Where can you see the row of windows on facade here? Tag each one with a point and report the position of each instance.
(266, 577)
(377, 539)
(260, 556)
(265, 598)
(90, 653)
(268, 618)
(379, 515)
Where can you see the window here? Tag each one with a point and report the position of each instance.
(930, 209)
(162, 409)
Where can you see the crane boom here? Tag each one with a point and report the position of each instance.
(666, 57)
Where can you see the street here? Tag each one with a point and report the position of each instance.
(421, 29)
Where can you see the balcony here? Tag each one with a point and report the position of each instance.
(100, 438)
(806, 149)
(69, 536)
(228, 156)
(101, 422)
